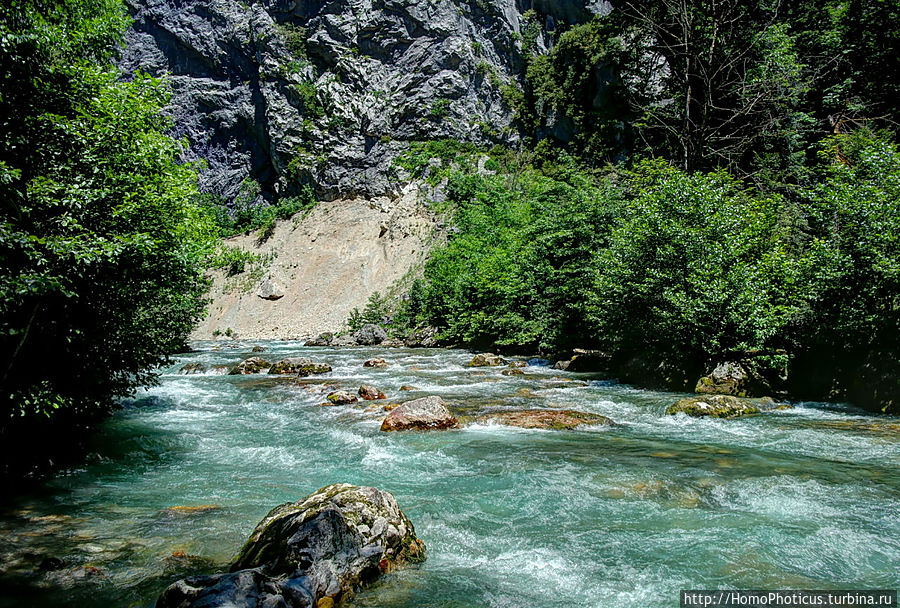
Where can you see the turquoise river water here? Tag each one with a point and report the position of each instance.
(607, 517)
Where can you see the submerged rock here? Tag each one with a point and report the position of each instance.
(370, 393)
(253, 365)
(258, 349)
(182, 563)
(487, 360)
(375, 363)
(546, 419)
(719, 406)
(310, 553)
(187, 510)
(370, 335)
(425, 414)
(732, 378)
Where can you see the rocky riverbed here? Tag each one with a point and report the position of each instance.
(593, 514)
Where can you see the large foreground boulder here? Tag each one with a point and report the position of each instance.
(719, 406)
(309, 554)
(425, 414)
(560, 420)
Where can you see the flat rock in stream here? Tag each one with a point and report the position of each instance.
(309, 554)
(425, 414)
(561, 420)
(719, 406)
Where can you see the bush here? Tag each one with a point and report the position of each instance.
(692, 270)
(103, 246)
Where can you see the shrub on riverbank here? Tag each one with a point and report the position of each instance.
(683, 269)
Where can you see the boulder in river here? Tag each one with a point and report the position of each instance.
(309, 554)
(487, 360)
(341, 398)
(253, 365)
(344, 340)
(719, 406)
(425, 414)
(370, 335)
(546, 419)
(323, 339)
(375, 363)
(291, 365)
(313, 369)
(370, 393)
(191, 369)
(258, 349)
(733, 378)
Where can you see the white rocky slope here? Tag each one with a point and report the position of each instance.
(322, 266)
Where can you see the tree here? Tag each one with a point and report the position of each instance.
(102, 244)
(731, 80)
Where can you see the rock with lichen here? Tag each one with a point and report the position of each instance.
(425, 414)
(310, 553)
(719, 406)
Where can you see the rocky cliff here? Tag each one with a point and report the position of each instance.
(327, 93)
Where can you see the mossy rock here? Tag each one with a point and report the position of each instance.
(719, 406)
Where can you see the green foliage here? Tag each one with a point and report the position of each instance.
(103, 243)
(515, 272)
(294, 39)
(854, 226)
(250, 212)
(676, 267)
(433, 160)
(692, 269)
(378, 310)
(309, 98)
(440, 109)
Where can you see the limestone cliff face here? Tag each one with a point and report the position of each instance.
(329, 92)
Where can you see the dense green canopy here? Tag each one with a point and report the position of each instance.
(102, 247)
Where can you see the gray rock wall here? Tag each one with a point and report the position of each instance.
(374, 75)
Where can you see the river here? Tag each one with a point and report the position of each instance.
(607, 516)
